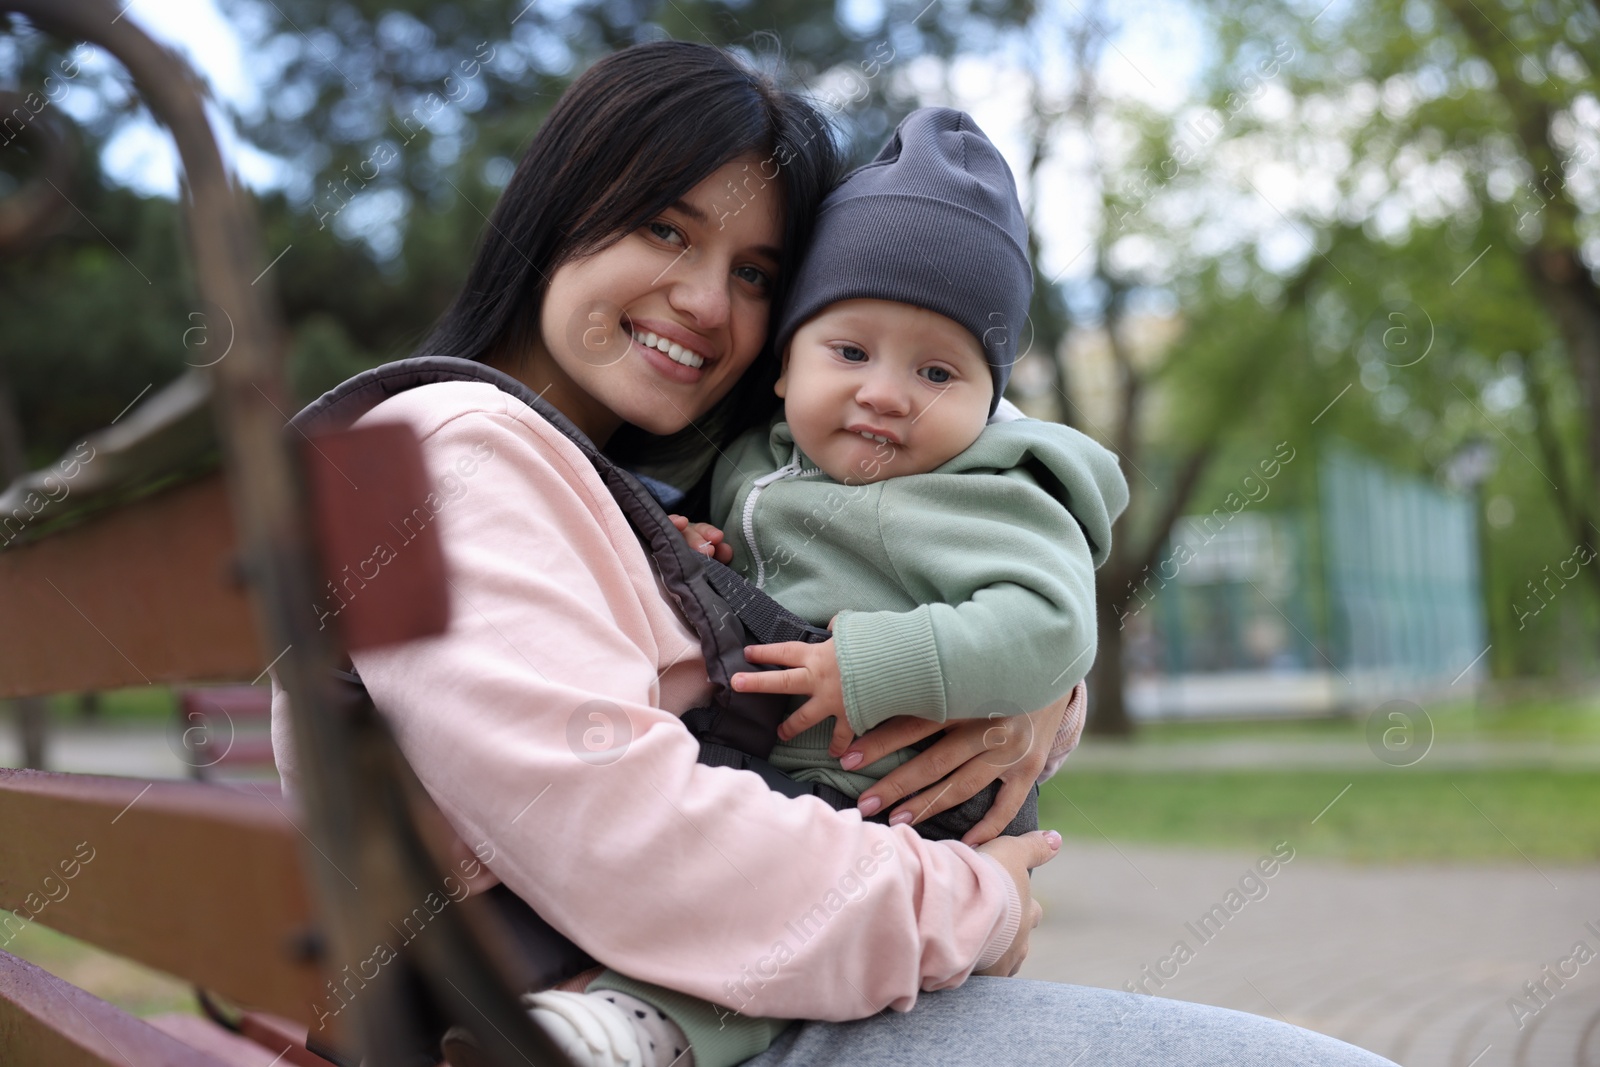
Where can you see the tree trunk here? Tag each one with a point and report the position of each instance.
(30, 711)
(1566, 289)
(1554, 268)
(1108, 708)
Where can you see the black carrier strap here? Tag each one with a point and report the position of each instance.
(767, 620)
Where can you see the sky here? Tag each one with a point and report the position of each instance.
(1151, 56)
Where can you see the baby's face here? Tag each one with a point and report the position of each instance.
(875, 389)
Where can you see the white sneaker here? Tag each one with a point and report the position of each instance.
(592, 1032)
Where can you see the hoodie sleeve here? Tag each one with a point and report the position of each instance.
(1004, 570)
(1068, 734)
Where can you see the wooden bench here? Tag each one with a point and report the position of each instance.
(198, 881)
(153, 570)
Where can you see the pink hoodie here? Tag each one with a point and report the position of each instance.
(698, 878)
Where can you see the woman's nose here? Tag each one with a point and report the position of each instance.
(700, 291)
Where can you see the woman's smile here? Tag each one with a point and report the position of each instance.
(685, 352)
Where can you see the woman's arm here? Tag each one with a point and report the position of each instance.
(534, 724)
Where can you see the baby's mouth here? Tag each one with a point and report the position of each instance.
(673, 351)
(872, 433)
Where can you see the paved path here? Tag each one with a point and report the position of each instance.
(141, 750)
(1417, 963)
(1332, 754)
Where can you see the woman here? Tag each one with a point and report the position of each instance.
(670, 193)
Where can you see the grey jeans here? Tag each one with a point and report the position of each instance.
(1012, 1022)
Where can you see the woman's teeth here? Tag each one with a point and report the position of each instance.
(675, 352)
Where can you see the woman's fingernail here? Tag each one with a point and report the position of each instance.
(870, 805)
(851, 761)
(737, 681)
(1053, 838)
(900, 818)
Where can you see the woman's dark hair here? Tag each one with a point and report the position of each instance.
(633, 134)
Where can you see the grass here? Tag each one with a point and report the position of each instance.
(1574, 719)
(1389, 814)
(135, 989)
(1394, 814)
(142, 703)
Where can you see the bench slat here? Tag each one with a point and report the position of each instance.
(202, 881)
(139, 595)
(45, 1020)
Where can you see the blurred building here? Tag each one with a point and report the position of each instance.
(1372, 594)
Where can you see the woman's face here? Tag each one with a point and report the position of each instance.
(657, 327)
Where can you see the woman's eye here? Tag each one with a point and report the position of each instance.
(938, 375)
(666, 232)
(851, 353)
(755, 276)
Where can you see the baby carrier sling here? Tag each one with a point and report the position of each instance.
(726, 612)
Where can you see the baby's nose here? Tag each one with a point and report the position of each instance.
(884, 393)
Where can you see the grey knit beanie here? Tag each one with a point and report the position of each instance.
(934, 222)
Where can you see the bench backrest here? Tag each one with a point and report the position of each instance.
(201, 881)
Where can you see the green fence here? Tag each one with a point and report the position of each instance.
(1377, 585)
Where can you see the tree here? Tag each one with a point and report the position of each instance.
(1467, 135)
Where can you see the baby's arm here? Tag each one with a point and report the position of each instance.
(1007, 622)
(1017, 632)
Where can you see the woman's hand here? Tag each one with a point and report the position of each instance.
(973, 753)
(1019, 855)
(704, 538)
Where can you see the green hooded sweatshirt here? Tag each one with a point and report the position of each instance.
(964, 592)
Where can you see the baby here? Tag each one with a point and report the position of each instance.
(951, 556)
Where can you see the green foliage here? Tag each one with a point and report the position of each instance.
(446, 95)
(95, 318)
(1402, 122)
(1418, 134)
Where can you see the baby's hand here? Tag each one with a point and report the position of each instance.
(814, 670)
(704, 538)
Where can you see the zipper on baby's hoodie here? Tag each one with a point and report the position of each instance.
(791, 469)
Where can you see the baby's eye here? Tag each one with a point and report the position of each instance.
(851, 353)
(667, 232)
(756, 277)
(937, 375)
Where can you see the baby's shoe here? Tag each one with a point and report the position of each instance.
(591, 1031)
(608, 1028)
